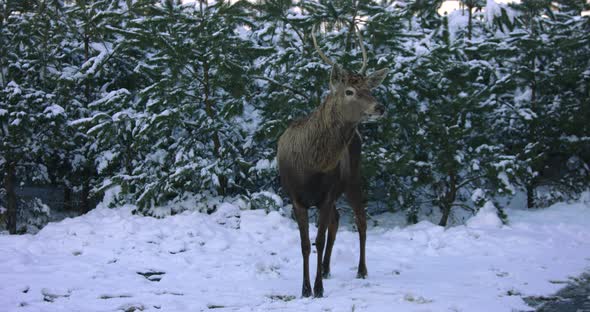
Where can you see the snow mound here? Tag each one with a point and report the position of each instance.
(486, 217)
(228, 215)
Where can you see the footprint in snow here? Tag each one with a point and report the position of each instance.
(49, 295)
(285, 298)
(111, 296)
(131, 307)
(417, 299)
(152, 276)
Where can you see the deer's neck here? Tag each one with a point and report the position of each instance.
(333, 123)
(332, 137)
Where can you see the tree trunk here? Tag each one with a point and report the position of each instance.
(533, 86)
(85, 202)
(530, 195)
(533, 137)
(86, 57)
(211, 113)
(351, 29)
(85, 197)
(445, 217)
(67, 198)
(209, 107)
(10, 185)
(449, 199)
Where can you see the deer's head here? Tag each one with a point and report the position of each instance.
(352, 91)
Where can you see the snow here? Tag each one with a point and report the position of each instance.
(80, 121)
(53, 110)
(264, 165)
(486, 217)
(491, 11)
(457, 23)
(477, 195)
(503, 177)
(16, 90)
(248, 260)
(110, 97)
(267, 200)
(91, 66)
(104, 159)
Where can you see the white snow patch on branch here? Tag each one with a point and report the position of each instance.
(53, 111)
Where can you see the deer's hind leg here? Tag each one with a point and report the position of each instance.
(324, 218)
(332, 229)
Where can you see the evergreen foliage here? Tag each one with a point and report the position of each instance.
(179, 105)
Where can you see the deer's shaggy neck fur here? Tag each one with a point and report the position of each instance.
(318, 141)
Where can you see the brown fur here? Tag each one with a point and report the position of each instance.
(319, 159)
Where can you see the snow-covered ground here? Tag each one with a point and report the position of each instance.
(111, 260)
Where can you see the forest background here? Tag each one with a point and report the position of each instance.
(177, 106)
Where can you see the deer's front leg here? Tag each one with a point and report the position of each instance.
(354, 195)
(303, 223)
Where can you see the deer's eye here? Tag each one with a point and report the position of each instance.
(349, 93)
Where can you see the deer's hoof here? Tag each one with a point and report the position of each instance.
(326, 274)
(306, 291)
(318, 292)
(362, 274)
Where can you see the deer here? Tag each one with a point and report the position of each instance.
(318, 159)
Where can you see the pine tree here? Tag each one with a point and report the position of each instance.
(31, 113)
(547, 69)
(391, 35)
(444, 154)
(101, 78)
(183, 102)
(177, 136)
(566, 170)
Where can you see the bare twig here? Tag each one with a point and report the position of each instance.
(281, 85)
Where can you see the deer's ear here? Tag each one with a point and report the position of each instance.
(376, 78)
(337, 76)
